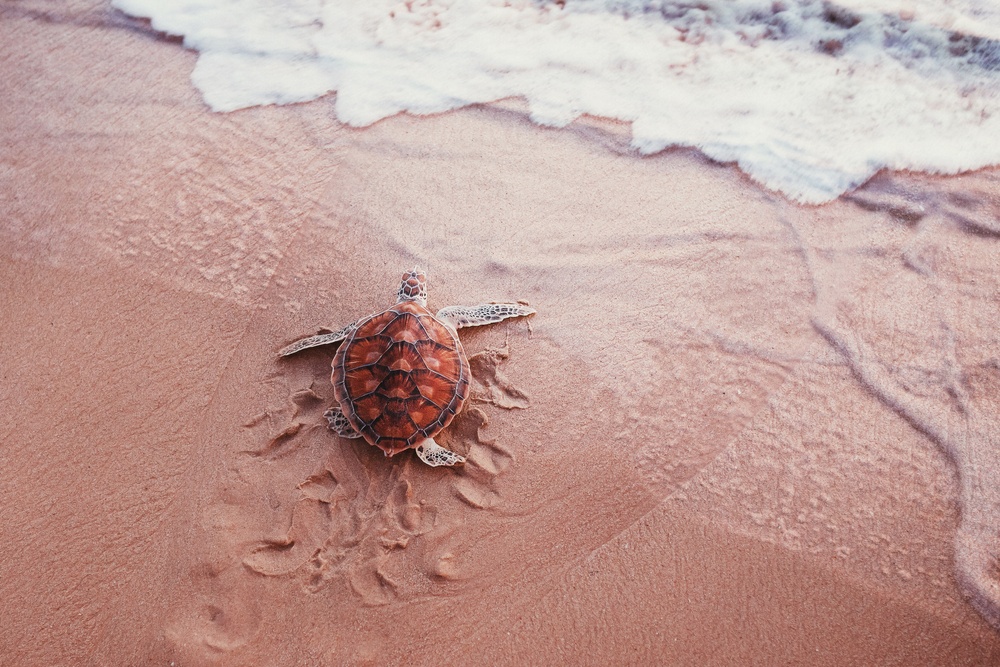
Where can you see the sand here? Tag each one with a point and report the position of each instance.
(738, 431)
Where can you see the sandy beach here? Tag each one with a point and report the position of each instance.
(739, 430)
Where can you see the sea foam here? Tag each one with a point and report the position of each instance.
(807, 97)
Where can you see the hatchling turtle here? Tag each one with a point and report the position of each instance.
(401, 375)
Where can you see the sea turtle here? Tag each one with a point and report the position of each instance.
(401, 375)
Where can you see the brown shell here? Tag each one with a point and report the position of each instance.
(400, 377)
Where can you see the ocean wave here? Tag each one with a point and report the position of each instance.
(809, 98)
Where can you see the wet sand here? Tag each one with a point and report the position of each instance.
(738, 431)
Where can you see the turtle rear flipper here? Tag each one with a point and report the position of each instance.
(487, 313)
(435, 455)
(339, 424)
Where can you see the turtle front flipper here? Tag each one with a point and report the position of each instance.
(487, 313)
(316, 341)
(339, 424)
(435, 455)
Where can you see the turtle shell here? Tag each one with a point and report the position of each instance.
(400, 377)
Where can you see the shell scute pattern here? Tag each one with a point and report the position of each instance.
(406, 327)
(401, 376)
(365, 380)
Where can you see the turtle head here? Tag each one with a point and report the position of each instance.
(413, 287)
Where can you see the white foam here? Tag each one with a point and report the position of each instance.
(809, 99)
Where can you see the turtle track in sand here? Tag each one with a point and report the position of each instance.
(387, 527)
